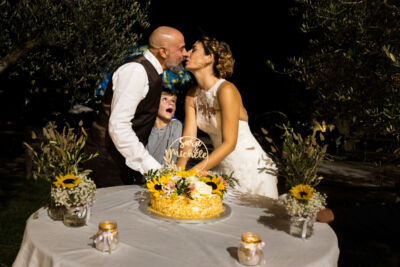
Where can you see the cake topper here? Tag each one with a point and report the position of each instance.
(189, 147)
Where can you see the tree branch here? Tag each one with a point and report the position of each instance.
(352, 3)
(16, 54)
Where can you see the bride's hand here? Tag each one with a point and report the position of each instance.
(180, 163)
(204, 173)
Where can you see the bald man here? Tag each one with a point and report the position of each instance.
(128, 112)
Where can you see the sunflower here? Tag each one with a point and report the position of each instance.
(302, 191)
(216, 183)
(155, 186)
(67, 181)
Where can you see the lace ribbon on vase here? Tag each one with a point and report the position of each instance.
(81, 212)
(106, 238)
(304, 228)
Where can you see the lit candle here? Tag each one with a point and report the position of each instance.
(107, 237)
(250, 250)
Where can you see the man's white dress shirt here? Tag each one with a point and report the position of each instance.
(130, 86)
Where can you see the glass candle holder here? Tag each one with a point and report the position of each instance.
(107, 238)
(250, 250)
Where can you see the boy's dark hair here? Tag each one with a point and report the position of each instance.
(169, 92)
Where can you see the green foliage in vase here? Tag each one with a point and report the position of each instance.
(60, 154)
(67, 44)
(297, 158)
(351, 66)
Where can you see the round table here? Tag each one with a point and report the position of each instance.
(146, 241)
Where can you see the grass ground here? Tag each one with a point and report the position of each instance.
(19, 198)
(367, 230)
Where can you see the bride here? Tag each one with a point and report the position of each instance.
(215, 106)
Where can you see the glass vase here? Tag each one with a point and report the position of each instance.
(55, 212)
(76, 216)
(301, 226)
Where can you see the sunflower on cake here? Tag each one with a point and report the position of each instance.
(187, 194)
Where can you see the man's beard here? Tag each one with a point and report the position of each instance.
(176, 68)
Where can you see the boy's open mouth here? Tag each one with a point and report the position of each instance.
(169, 110)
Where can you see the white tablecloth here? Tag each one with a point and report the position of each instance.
(145, 241)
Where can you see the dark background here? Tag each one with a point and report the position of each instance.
(256, 31)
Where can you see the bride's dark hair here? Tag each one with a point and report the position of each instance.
(223, 59)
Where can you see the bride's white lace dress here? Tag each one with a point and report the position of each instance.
(248, 155)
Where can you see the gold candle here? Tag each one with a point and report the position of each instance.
(250, 250)
(107, 237)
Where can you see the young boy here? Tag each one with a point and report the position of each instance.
(166, 129)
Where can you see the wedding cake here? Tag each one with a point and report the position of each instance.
(187, 195)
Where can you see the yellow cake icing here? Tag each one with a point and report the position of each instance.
(181, 207)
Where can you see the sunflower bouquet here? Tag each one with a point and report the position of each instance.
(303, 201)
(297, 160)
(57, 161)
(72, 190)
(169, 182)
